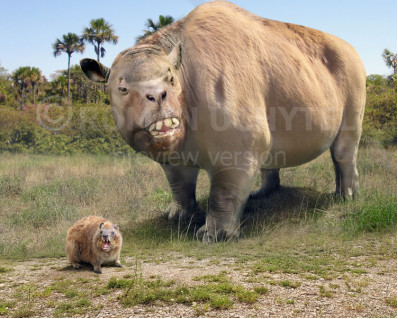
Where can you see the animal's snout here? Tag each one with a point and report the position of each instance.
(158, 97)
(105, 237)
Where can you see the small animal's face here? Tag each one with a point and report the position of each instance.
(146, 98)
(108, 236)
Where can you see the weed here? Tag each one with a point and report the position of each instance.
(392, 302)
(247, 296)
(6, 306)
(323, 292)
(26, 311)
(289, 284)
(261, 290)
(5, 269)
(220, 302)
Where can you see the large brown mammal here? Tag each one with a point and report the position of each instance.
(232, 93)
(94, 240)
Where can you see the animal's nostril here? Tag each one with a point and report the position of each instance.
(164, 94)
(150, 98)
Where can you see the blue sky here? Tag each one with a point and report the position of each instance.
(28, 28)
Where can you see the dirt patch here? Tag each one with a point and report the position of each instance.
(45, 286)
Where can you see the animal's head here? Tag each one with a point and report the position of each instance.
(108, 237)
(145, 96)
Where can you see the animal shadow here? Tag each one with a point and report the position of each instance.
(297, 203)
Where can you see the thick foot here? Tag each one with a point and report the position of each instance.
(211, 235)
(98, 271)
(176, 212)
(347, 195)
(118, 264)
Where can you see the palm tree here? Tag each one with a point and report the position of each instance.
(97, 34)
(153, 27)
(35, 78)
(71, 43)
(21, 81)
(390, 59)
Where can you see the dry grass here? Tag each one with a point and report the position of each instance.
(42, 196)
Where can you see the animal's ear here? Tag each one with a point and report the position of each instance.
(95, 71)
(102, 224)
(175, 56)
(116, 227)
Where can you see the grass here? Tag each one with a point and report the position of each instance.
(298, 230)
(211, 295)
(42, 196)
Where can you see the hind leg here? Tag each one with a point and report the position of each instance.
(73, 253)
(344, 152)
(270, 183)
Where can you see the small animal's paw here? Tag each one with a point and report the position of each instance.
(77, 266)
(118, 265)
(98, 271)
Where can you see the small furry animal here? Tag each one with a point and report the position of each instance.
(94, 240)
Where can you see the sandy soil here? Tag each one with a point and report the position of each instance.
(349, 295)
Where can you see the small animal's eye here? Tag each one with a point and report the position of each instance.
(150, 98)
(172, 80)
(122, 89)
(113, 233)
(100, 232)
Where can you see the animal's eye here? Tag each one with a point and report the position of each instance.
(100, 232)
(150, 98)
(113, 233)
(172, 80)
(122, 90)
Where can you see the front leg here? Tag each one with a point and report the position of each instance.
(230, 188)
(182, 182)
(97, 266)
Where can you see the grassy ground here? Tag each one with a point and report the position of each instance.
(298, 230)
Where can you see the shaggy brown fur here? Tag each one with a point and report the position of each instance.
(94, 240)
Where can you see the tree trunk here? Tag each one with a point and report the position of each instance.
(98, 51)
(69, 77)
(34, 89)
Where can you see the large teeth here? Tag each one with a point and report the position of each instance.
(172, 123)
(167, 122)
(159, 125)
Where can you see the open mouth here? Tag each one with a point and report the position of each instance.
(106, 244)
(163, 128)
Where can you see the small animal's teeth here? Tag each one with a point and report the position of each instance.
(175, 121)
(152, 127)
(154, 133)
(159, 125)
(167, 122)
(174, 126)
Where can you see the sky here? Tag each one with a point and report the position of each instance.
(29, 28)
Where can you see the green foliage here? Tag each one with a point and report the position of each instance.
(50, 128)
(380, 119)
(377, 215)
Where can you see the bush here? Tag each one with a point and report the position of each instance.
(60, 130)
(380, 119)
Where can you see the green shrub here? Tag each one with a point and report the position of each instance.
(380, 118)
(53, 129)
